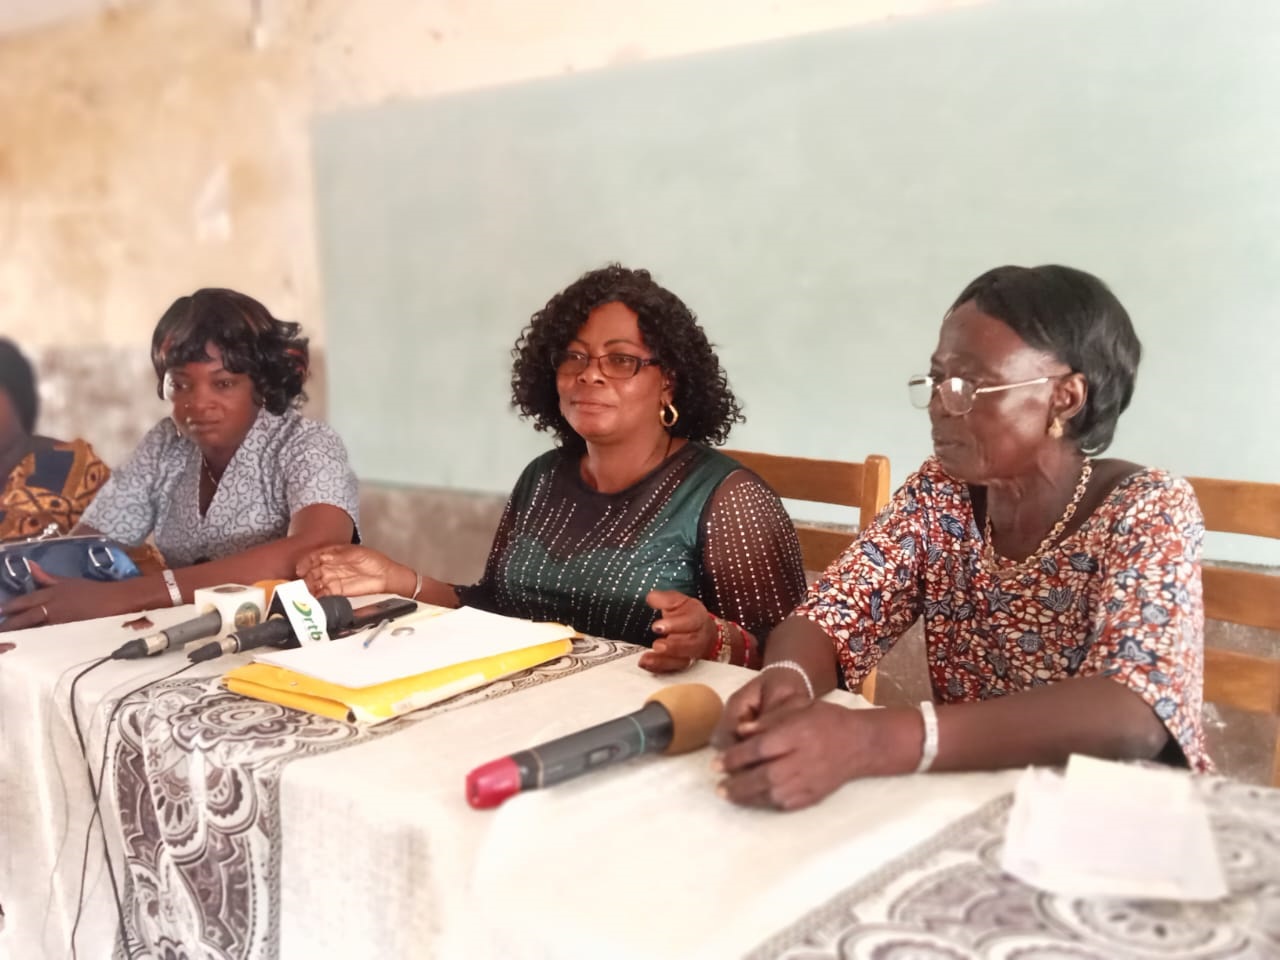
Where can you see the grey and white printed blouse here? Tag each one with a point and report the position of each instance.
(284, 463)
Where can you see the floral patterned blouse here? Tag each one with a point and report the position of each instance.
(54, 483)
(1119, 597)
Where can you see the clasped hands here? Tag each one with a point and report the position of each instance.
(777, 748)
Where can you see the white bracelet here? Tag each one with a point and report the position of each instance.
(929, 751)
(792, 665)
(417, 587)
(170, 581)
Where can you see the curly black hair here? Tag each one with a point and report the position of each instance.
(252, 341)
(1074, 316)
(18, 380)
(708, 408)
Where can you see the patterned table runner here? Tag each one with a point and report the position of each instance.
(949, 900)
(196, 773)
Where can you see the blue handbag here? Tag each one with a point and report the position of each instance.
(86, 558)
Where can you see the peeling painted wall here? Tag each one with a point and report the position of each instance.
(155, 147)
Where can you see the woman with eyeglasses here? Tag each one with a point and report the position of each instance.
(1060, 593)
(632, 528)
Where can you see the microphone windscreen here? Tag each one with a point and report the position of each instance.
(338, 613)
(269, 587)
(695, 710)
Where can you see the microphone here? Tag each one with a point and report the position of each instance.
(224, 608)
(673, 720)
(279, 631)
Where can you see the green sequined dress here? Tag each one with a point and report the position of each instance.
(699, 523)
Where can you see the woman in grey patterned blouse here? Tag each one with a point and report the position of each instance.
(236, 486)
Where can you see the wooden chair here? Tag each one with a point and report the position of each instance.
(1242, 596)
(864, 486)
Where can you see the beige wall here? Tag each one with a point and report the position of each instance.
(153, 147)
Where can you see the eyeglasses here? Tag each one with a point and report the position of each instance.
(956, 393)
(615, 366)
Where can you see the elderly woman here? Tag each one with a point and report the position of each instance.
(236, 486)
(43, 482)
(632, 527)
(1060, 593)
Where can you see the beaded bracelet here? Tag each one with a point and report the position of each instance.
(723, 651)
(791, 665)
(748, 646)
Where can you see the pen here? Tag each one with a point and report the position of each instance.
(373, 635)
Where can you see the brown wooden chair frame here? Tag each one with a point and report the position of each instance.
(863, 486)
(1246, 597)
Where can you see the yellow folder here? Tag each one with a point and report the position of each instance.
(383, 701)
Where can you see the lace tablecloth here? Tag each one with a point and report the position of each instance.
(949, 900)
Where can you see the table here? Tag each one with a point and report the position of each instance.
(44, 794)
(361, 844)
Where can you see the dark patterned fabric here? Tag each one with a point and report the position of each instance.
(196, 771)
(1119, 597)
(949, 900)
(284, 463)
(53, 484)
(699, 524)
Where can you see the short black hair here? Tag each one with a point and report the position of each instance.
(1074, 316)
(18, 380)
(252, 341)
(707, 407)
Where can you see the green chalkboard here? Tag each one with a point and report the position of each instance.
(819, 201)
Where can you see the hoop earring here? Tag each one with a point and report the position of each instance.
(668, 415)
(1055, 429)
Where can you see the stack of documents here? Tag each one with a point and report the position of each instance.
(1107, 829)
(386, 671)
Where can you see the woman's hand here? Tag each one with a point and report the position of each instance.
(798, 756)
(768, 692)
(67, 600)
(354, 571)
(686, 632)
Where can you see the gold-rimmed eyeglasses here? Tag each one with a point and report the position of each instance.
(956, 393)
(615, 366)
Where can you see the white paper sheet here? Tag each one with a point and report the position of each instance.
(1107, 829)
(414, 645)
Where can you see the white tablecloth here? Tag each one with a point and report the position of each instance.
(640, 860)
(369, 849)
(45, 802)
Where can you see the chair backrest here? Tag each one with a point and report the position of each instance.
(1238, 506)
(863, 486)
(1246, 597)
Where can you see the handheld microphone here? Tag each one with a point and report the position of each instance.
(278, 631)
(228, 607)
(673, 720)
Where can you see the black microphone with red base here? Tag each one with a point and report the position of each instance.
(673, 720)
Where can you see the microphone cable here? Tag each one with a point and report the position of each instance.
(95, 791)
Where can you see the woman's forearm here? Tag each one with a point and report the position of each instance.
(319, 525)
(437, 592)
(803, 642)
(1097, 716)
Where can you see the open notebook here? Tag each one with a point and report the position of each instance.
(410, 663)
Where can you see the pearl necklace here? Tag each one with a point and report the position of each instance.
(1003, 567)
